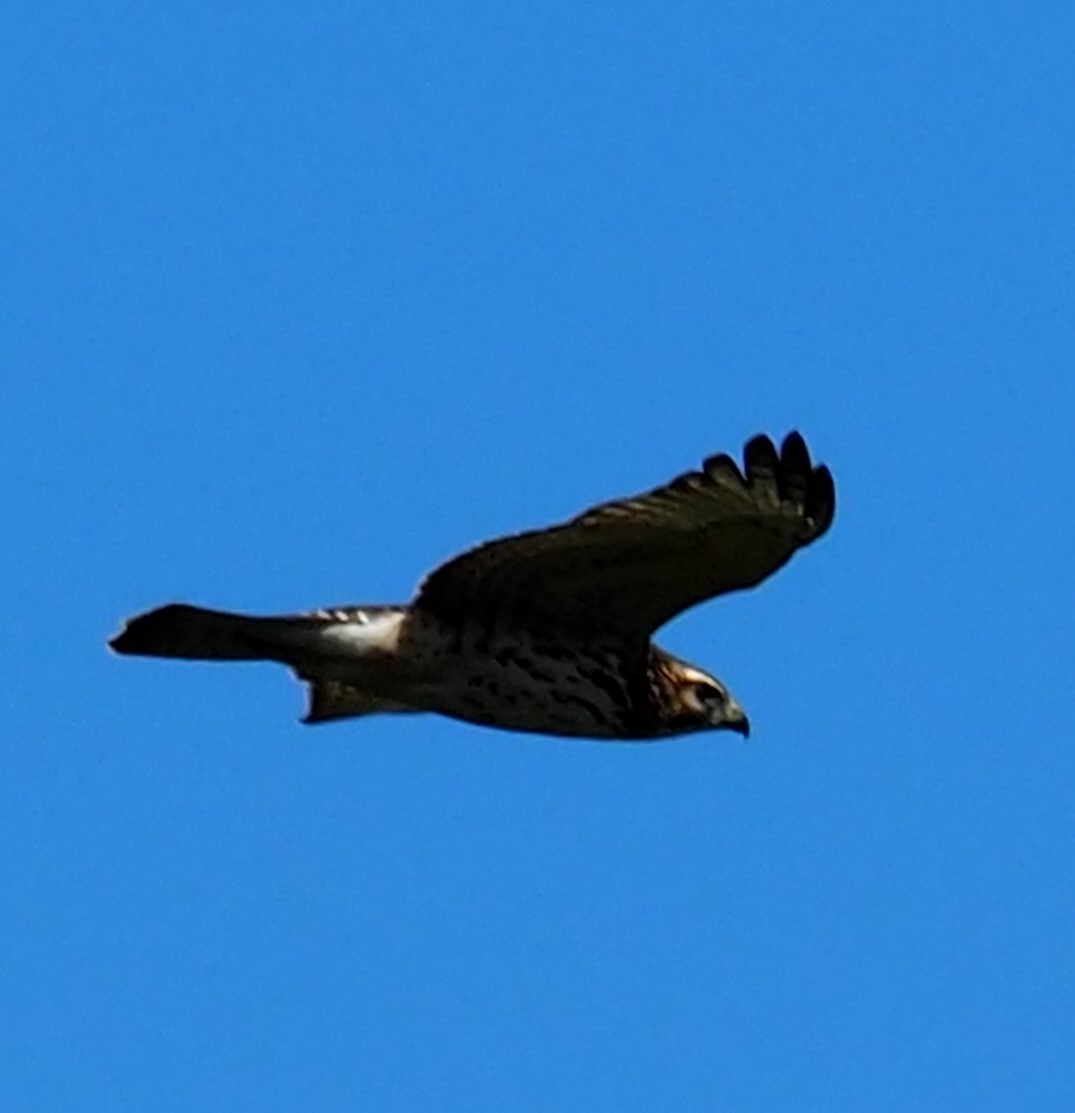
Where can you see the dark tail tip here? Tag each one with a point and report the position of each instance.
(146, 634)
(178, 630)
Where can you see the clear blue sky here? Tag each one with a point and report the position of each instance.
(301, 299)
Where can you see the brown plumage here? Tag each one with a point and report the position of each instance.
(547, 630)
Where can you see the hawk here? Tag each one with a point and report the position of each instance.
(550, 630)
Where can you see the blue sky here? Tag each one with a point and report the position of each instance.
(301, 300)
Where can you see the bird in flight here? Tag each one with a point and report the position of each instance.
(546, 631)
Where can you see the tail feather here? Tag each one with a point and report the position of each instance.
(312, 644)
(198, 634)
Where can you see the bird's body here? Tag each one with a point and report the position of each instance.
(547, 631)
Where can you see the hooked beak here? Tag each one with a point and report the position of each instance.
(735, 718)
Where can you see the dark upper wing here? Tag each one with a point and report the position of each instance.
(626, 567)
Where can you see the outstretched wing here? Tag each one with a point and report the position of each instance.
(625, 568)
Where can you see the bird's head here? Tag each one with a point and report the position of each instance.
(690, 699)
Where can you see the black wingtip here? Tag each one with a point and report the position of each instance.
(794, 455)
(760, 457)
(793, 475)
(723, 469)
(796, 477)
(821, 498)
